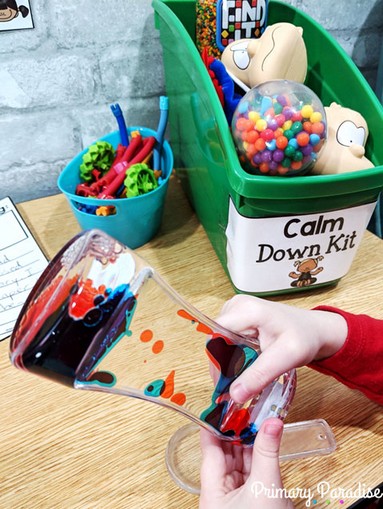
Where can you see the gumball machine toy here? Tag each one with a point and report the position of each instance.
(279, 128)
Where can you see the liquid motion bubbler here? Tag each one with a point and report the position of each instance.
(101, 319)
(220, 22)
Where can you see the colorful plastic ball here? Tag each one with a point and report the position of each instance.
(303, 138)
(279, 128)
(282, 142)
(268, 135)
(290, 151)
(252, 136)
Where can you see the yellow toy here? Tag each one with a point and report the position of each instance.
(347, 133)
(280, 53)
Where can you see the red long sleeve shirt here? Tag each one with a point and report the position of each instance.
(359, 363)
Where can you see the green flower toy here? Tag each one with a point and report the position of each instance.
(139, 179)
(99, 156)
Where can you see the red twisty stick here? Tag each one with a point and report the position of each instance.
(111, 190)
(85, 189)
(119, 153)
(117, 166)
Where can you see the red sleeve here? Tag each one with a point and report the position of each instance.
(359, 363)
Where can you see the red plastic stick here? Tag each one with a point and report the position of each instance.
(129, 152)
(111, 190)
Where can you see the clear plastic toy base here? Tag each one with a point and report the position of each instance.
(299, 440)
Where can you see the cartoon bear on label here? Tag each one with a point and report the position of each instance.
(305, 271)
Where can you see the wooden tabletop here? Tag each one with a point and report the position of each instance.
(68, 449)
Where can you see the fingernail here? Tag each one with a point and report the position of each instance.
(273, 430)
(239, 393)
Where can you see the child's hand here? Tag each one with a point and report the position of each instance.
(289, 337)
(235, 477)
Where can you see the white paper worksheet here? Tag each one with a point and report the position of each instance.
(21, 263)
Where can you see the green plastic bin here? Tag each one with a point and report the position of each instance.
(272, 234)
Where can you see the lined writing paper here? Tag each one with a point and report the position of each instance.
(21, 263)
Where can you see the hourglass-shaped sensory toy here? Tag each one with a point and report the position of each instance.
(101, 319)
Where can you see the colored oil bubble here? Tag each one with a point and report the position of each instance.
(165, 389)
(146, 336)
(158, 346)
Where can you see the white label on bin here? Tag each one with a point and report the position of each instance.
(279, 253)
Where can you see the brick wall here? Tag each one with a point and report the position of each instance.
(58, 80)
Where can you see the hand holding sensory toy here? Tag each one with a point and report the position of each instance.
(93, 321)
(279, 128)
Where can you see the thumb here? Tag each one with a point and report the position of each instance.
(267, 367)
(265, 470)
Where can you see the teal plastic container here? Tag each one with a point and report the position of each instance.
(137, 219)
(271, 234)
